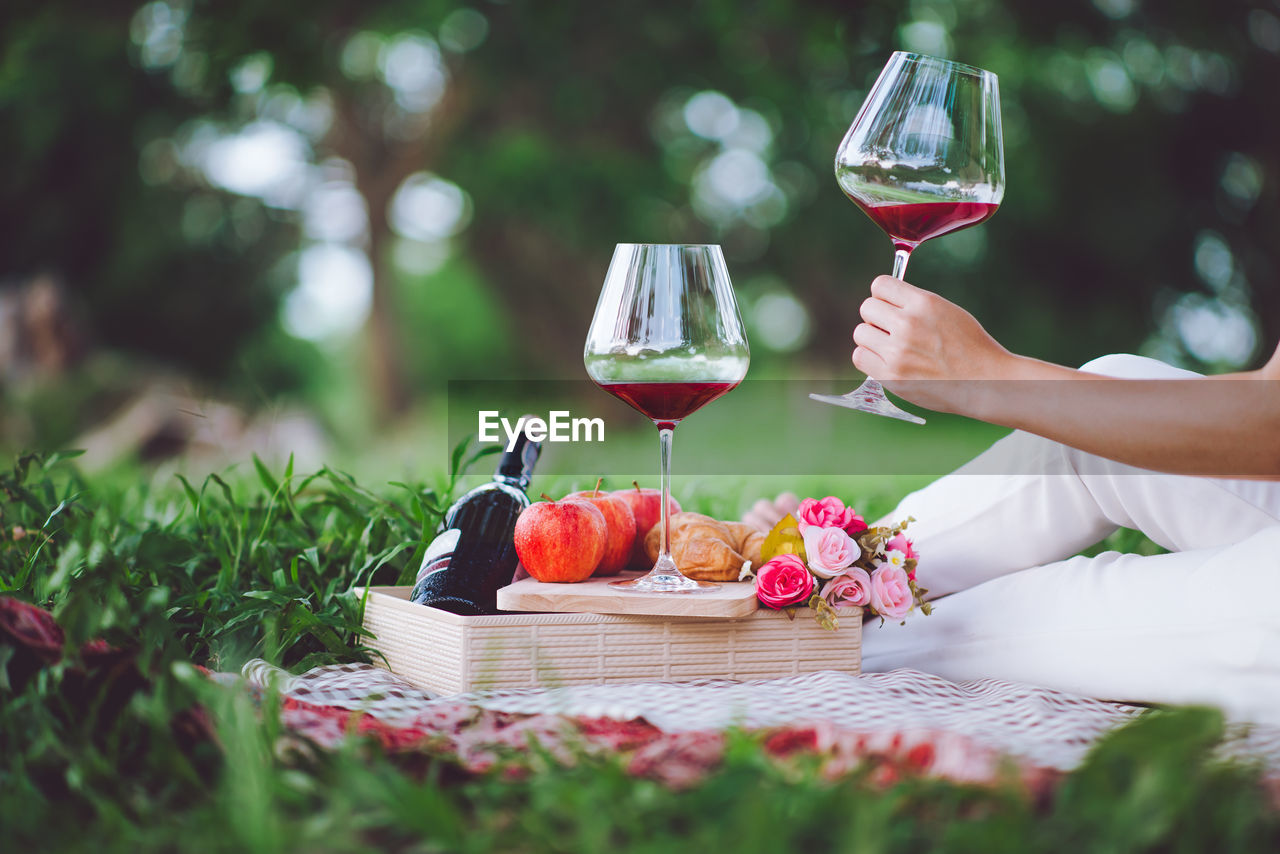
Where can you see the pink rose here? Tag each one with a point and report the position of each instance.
(890, 591)
(830, 512)
(830, 550)
(783, 581)
(902, 544)
(851, 587)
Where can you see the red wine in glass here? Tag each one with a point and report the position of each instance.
(666, 339)
(666, 404)
(924, 157)
(911, 224)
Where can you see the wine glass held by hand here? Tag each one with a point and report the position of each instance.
(666, 339)
(923, 158)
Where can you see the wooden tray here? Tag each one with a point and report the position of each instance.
(733, 600)
(448, 653)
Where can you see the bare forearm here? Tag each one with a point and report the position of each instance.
(1226, 425)
(936, 354)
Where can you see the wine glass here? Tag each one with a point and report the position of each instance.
(923, 158)
(666, 339)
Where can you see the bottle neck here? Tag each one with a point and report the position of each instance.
(520, 482)
(516, 466)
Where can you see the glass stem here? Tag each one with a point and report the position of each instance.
(664, 480)
(900, 258)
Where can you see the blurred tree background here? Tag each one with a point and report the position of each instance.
(347, 204)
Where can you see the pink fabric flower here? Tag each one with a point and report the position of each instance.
(890, 592)
(851, 587)
(829, 512)
(830, 550)
(783, 581)
(902, 544)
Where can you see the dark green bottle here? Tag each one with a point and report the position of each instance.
(475, 554)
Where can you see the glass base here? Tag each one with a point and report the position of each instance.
(664, 582)
(868, 397)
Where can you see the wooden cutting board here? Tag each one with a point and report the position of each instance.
(733, 600)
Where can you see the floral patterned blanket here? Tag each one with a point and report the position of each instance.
(897, 723)
(902, 722)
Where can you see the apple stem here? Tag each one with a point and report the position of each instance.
(597, 492)
(546, 497)
(636, 484)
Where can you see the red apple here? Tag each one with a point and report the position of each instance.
(561, 541)
(646, 506)
(621, 523)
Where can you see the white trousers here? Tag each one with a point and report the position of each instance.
(1198, 625)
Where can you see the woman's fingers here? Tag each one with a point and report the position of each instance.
(894, 291)
(872, 347)
(879, 313)
(873, 338)
(870, 363)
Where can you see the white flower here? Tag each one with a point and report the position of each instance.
(893, 557)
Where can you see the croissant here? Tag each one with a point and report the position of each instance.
(705, 548)
(747, 541)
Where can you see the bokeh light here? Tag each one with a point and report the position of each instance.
(252, 73)
(780, 321)
(334, 211)
(463, 30)
(1214, 332)
(410, 63)
(1242, 179)
(711, 115)
(333, 295)
(428, 208)
(157, 32)
(1213, 260)
(264, 159)
(1110, 81)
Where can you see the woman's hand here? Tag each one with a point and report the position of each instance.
(918, 344)
(933, 353)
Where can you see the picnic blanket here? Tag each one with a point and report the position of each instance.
(890, 724)
(905, 720)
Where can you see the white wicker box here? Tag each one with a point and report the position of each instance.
(448, 653)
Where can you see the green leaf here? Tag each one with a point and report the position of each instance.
(264, 475)
(480, 454)
(268, 596)
(226, 490)
(824, 613)
(61, 456)
(872, 541)
(191, 494)
(456, 457)
(57, 511)
(783, 539)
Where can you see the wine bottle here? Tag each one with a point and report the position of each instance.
(475, 553)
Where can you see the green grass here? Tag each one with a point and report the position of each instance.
(259, 563)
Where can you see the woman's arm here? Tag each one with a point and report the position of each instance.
(934, 353)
